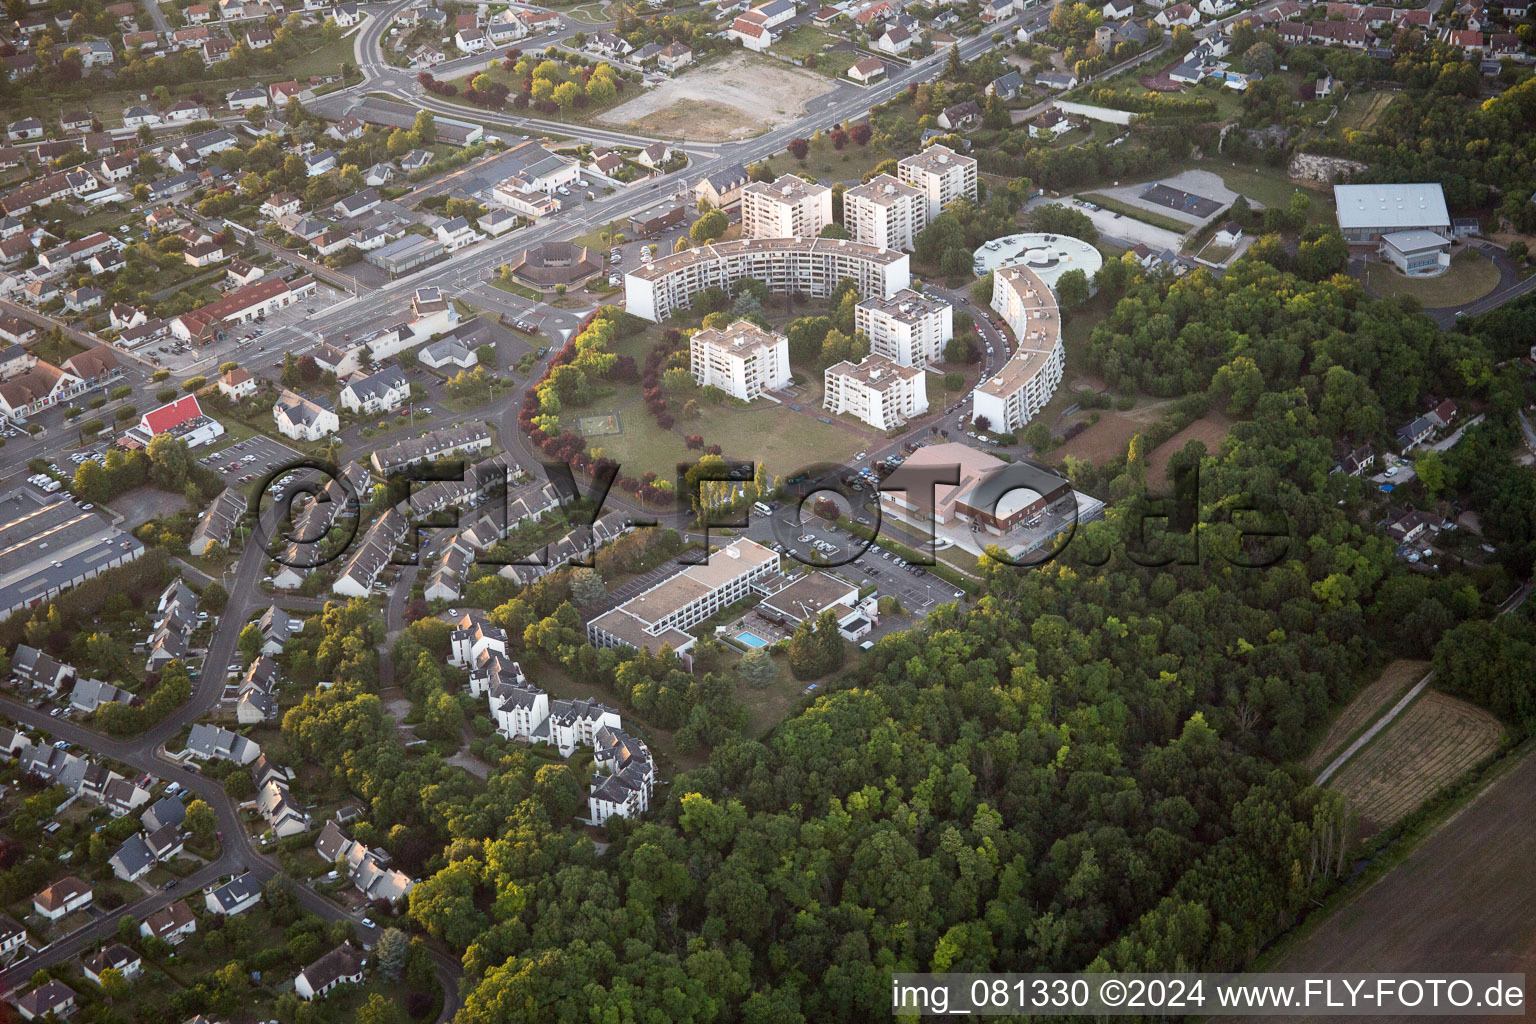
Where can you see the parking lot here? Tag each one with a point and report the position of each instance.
(244, 461)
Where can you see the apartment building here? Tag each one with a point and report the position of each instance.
(659, 616)
(909, 328)
(1017, 392)
(789, 208)
(807, 266)
(743, 360)
(941, 174)
(885, 213)
(877, 390)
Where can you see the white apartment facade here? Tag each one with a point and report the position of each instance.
(878, 391)
(885, 213)
(661, 614)
(743, 360)
(941, 174)
(1017, 392)
(808, 266)
(909, 328)
(791, 207)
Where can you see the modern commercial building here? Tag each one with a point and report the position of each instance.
(660, 615)
(809, 266)
(791, 207)
(48, 546)
(743, 360)
(1026, 382)
(908, 328)
(243, 305)
(1416, 252)
(991, 494)
(406, 253)
(1367, 212)
(942, 174)
(878, 391)
(885, 213)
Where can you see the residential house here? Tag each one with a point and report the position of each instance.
(54, 1000)
(235, 896)
(341, 966)
(132, 860)
(171, 925)
(63, 897)
(303, 419)
(381, 391)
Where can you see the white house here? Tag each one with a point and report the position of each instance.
(303, 419)
(378, 392)
(341, 966)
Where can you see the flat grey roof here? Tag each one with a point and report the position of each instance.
(1391, 206)
(46, 545)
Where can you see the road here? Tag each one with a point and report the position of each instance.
(141, 752)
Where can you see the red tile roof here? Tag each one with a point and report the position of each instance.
(169, 417)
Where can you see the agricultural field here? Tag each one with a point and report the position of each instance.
(1364, 707)
(1464, 900)
(1428, 747)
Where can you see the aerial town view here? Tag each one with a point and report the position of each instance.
(648, 511)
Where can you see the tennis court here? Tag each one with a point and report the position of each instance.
(1178, 199)
(600, 426)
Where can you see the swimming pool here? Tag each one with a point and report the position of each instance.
(751, 639)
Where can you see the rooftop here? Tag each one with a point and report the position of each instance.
(1391, 206)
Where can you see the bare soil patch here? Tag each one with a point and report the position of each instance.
(734, 98)
(1365, 707)
(1210, 429)
(1428, 747)
(1104, 440)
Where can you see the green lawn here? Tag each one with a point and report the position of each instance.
(849, 164)
(1362, 109)
(1270, 186)
(1470, 277)
(810, 41)
(780, 438)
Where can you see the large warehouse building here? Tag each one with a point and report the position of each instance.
(48, 546)
(1368, 212)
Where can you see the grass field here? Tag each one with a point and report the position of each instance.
(1365, 707)
(1463, 900)
(1210, 429)
(1157, 220)
(1470, 277)
(1362, 109)
(783, 440)
(849, 164)
(1270, 186)
(1103, 441)
(1428, 747)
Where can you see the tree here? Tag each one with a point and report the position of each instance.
(757, 669)
(799, 148)
(565, 94)
(389, 953)
(250, 642)
(113, 985)
(168, 462)
(379, 1010)
(1072, 289)
(709, 227)
(1259, 59)
(201, 822)
(425, 128)
(215, 597)
(587, 587)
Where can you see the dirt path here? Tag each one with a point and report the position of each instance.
(1396, 677)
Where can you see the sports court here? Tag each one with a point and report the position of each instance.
(600, 426)
(1180, 201)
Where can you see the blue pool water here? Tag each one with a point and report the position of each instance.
(751, 639)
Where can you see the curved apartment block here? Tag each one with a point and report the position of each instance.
(1017, 392)
(811, 266)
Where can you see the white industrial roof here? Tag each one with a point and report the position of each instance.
(1415, 241)
(1391, 206)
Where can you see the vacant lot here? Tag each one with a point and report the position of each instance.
(735, 98)
(1105, 440)
(1361, 110)
(1210, 429)
(1427, 748)
(1471, 277)
(1365, 707)
(1464, 900)
(780, 438)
